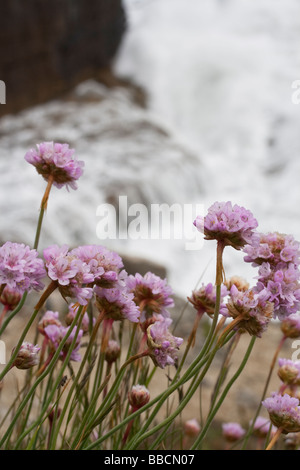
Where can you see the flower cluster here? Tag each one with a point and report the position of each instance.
(56, 160)
(20, 268)
(163, 346)
(77, 271)
(284, 412)
(117, 303)
(152, 294)
(204, 299)
(251, 309)
(277, 256)
(233, 225)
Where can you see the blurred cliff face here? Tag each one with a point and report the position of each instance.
(48, 47)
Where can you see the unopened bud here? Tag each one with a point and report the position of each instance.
(27, 356)
(10, 298)
(289, 371)
(112, 351)
(138, 396)
(191, 427)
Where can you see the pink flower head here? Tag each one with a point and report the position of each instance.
(232, 431)
(278, 249)
(104, 264)
(204, 299)
(261, 427)
(20, 268)
(284, 411)
(56, 333)
(85, 323)
(254, 310)
(234, 225)
(117, 302)
(73, 276)
(162, 344)
(49, 318)
(151, 293)
(56, 160)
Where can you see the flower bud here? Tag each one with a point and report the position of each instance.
(27, 356)
(290, 326)
(10, 298)
(191, 427)
(138, 396)
(289, 371)
(112, 351)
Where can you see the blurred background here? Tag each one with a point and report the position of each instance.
(166, 101)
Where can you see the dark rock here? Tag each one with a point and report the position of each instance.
(48, 47)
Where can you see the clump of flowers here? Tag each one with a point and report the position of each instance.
(104, 264)
(232, 431)
(284, 412)
(233, 225)
(20, 268)
(163, 346)
(204, 299)
(277, 256)
(152, 294)
(56, 161)
(27, 356)
(117, 303)
(251, 310)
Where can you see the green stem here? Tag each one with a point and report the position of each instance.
(223, 396)
(41, 378)
(45, 295)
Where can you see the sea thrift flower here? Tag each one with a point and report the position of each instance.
(191, 427)
(71, 274)
(27, 356)
(284, 412)
(163, 346)
(253, 310)
(204, 299)
(277, 256)
(112, 351)
(261, 427)
(138, 396)
(233, 225)
(232, 431)
(104, 264)
(274, 248)
(289, 371)
(290, 325)
(20, 268)
(56, 334)
(49, 318)
(151, 293)
(117, 303)
(56, 160)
